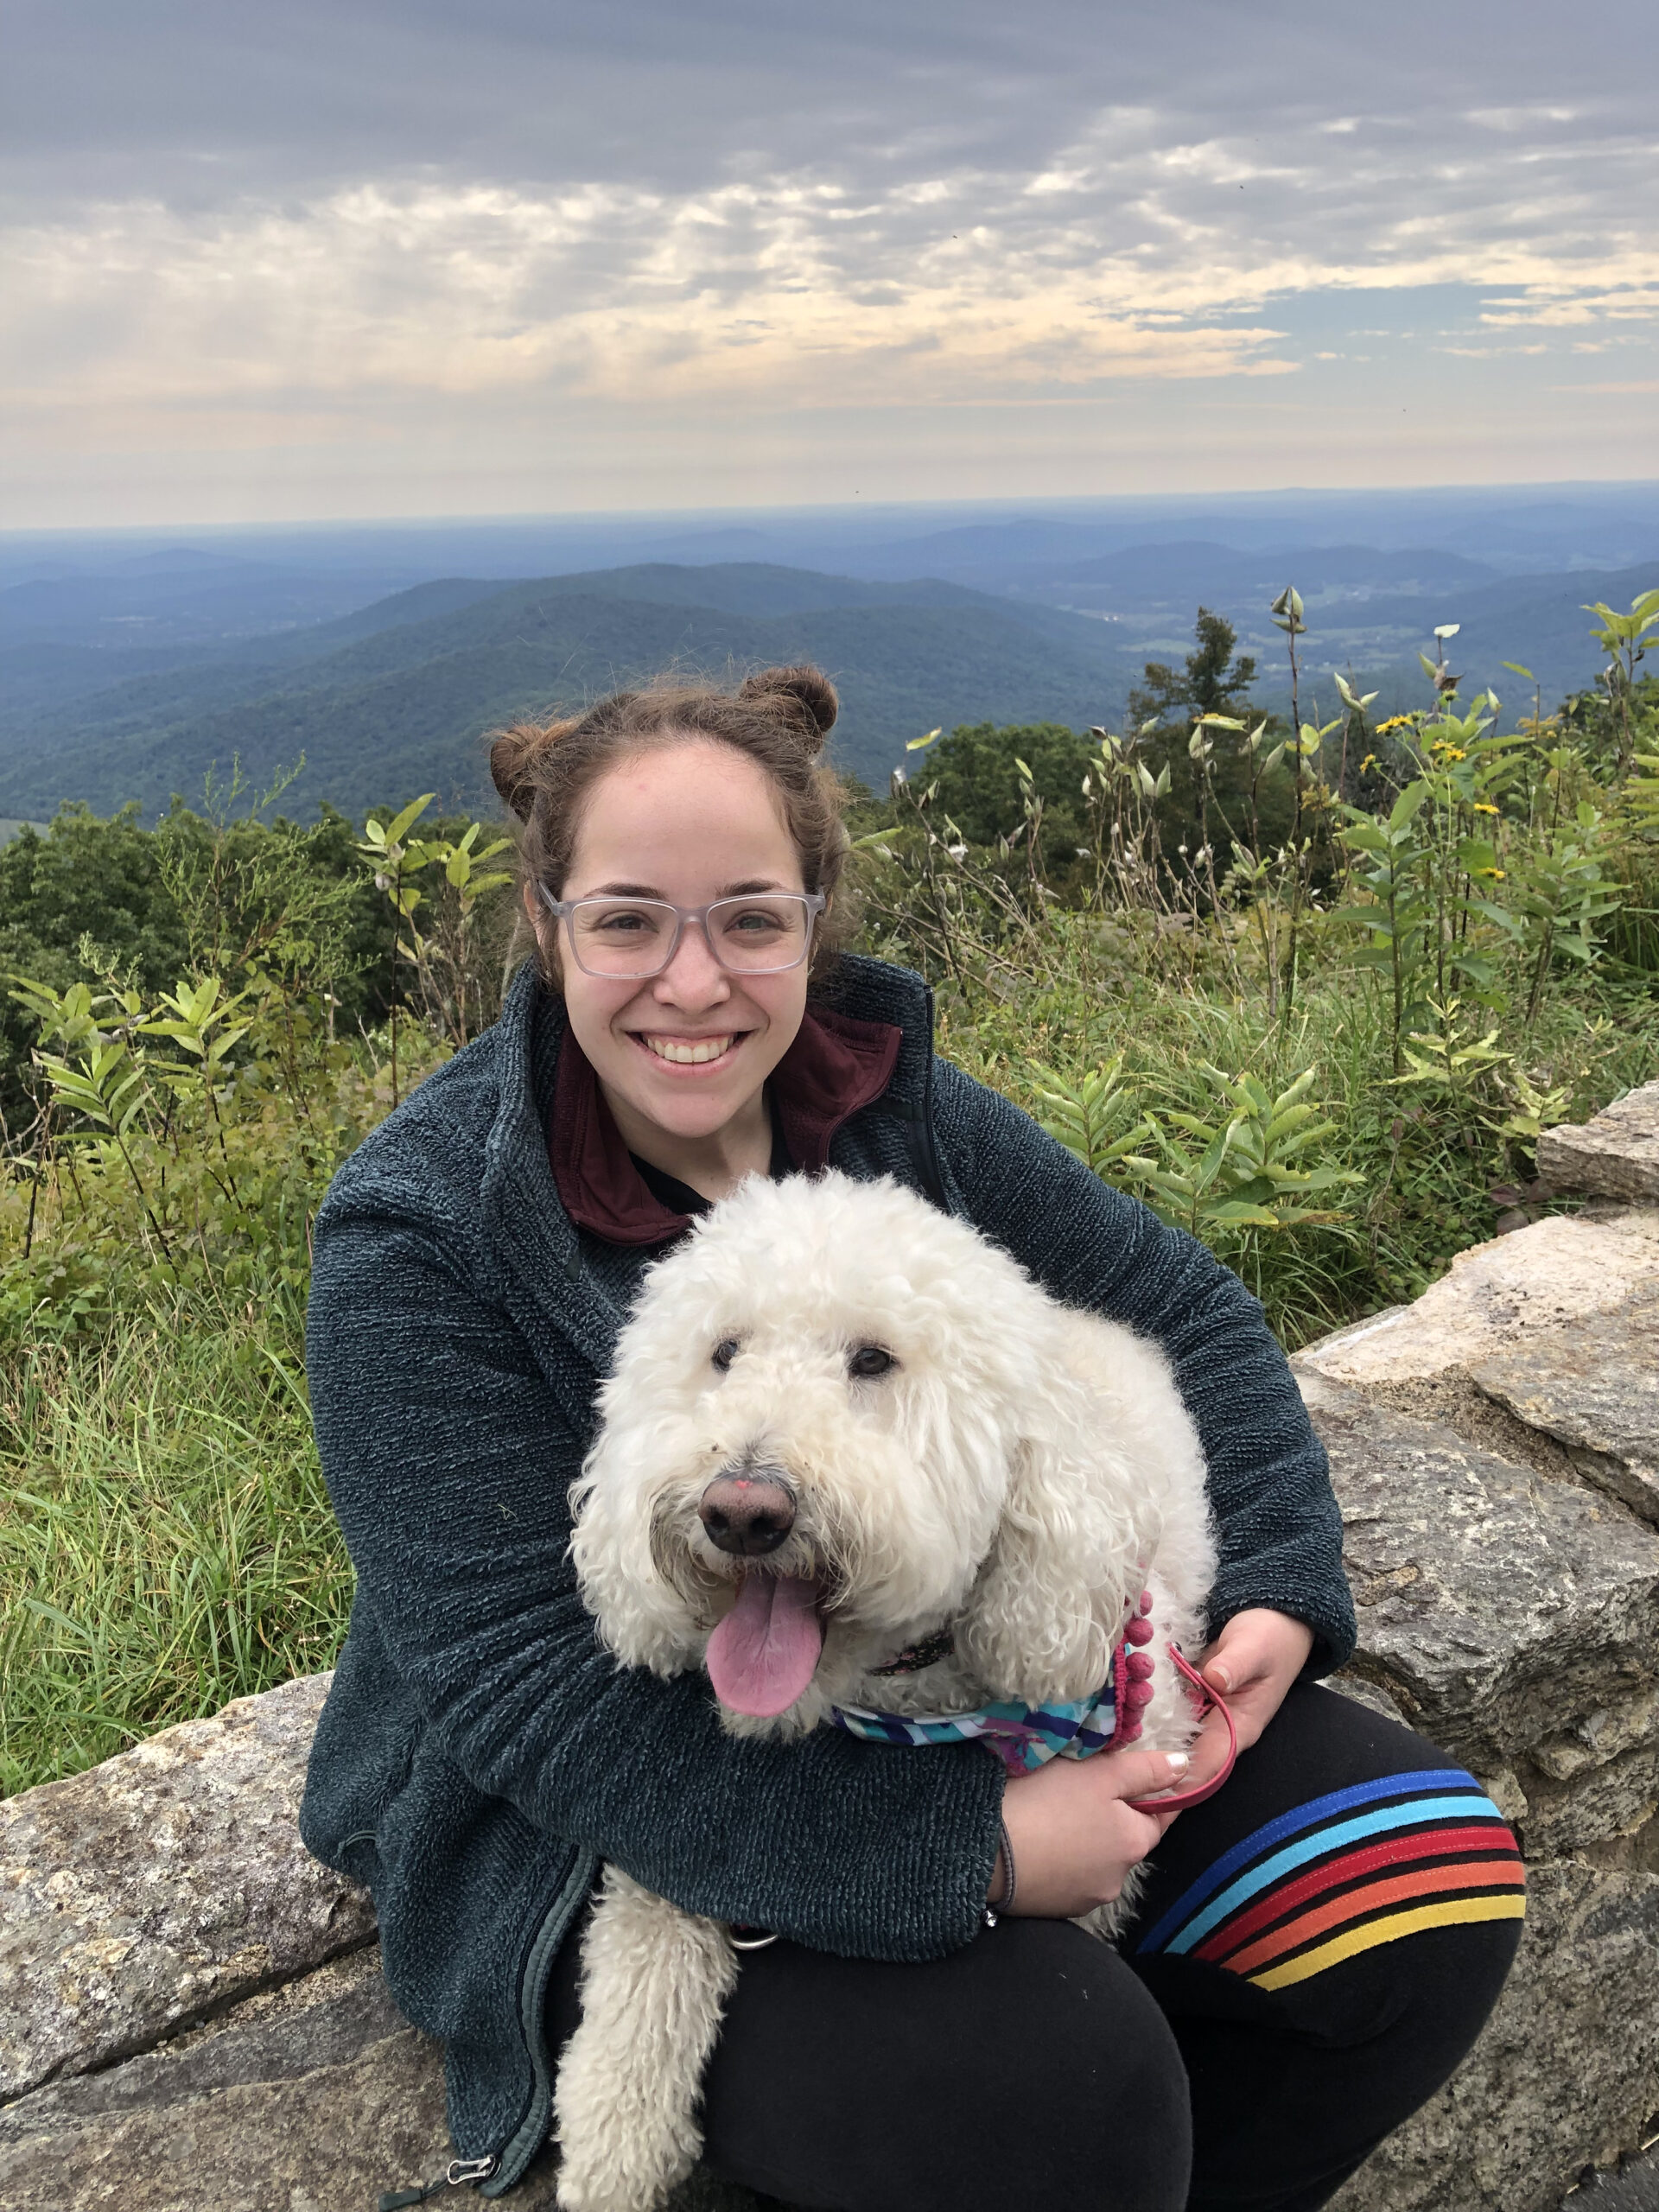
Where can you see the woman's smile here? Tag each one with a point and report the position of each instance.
(689, 1052)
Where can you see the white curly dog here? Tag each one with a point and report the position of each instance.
(843, 1429)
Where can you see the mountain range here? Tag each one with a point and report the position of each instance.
(398, 696)
(127, 672)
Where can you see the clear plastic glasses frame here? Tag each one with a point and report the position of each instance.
(567, 911)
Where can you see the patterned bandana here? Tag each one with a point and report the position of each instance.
(1023, 1737)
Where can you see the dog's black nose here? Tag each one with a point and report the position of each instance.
(746, 1515)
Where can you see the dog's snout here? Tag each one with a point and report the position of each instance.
(746, 1515)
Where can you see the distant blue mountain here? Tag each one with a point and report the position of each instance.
(398, 698)
(128, 664)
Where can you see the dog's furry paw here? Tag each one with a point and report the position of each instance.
(654, 1984)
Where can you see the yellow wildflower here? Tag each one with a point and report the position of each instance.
(1481, 807)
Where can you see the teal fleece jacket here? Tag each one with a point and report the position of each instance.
(479, 1754)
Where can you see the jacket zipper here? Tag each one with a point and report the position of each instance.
(509, 2163)
(458, 2171)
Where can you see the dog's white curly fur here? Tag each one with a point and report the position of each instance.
(1018, 1477)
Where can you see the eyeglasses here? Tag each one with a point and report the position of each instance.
(635, 938)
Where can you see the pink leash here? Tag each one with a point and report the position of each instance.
(1185, 1797)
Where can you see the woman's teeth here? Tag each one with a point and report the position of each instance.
(687, 1051)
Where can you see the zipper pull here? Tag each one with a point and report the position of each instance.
(457, 2171)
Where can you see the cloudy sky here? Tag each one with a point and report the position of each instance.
(356, 257)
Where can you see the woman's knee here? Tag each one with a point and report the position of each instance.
(1029, 2068)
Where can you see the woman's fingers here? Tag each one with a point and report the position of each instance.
(1074, 1835)
(1253, 1662)
(1256, 1645)
(1142, 1774)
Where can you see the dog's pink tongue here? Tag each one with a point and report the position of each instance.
(762, 1655)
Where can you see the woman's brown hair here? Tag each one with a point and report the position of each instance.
(778, 718)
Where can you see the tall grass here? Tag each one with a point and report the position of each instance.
(166, 1542)
(1435, 1172)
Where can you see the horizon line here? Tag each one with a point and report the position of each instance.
(1045, 502)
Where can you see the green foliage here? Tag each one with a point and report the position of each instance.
(1244, 1165)
(1087, 1114)
(445, 963)
(1210, 682)
(1626, 638)
(166, 1542)
(227, 889)
(1210, 792)
(1246, 1162)
(165, 1539)
(975, 776)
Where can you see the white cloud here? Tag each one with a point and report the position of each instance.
(1123, 254)
(380, 228)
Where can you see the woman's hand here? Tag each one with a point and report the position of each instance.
(1252, 1662)
(1073, 1833)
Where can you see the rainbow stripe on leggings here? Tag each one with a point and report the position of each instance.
(1346, 1872)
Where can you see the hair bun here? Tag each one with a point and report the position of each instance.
(514, 754)
(812, 705)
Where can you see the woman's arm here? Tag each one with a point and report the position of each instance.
(448, 1462)
(1280, 1529)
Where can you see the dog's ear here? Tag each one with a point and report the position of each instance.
(1047, 1606)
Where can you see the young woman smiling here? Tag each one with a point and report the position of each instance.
(1317, 1945)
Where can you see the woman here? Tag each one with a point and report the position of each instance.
(1318, 1945)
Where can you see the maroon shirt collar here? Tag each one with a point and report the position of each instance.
(835, 1067)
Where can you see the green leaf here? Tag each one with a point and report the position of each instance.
(412, 812)
(1409, 805)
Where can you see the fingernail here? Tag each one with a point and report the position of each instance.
(1178, 1760)
(1219, 1676)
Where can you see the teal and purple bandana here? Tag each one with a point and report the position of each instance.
(1023, 1737)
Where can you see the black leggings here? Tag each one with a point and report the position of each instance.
(1316, 1949)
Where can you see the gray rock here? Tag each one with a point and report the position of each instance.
(1594, 1385)
(314, 2098)
(321, 2105)
(1502, 1611)
(162, 1886)
(1559, 1270)
(1615, 1155)
(317, 2096)
(1632, 2186)
(1566, 2074)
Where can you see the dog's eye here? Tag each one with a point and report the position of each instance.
(724, 1353)
(867, 1361)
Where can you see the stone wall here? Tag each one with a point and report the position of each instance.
(1496, 1449)
(192, 2018)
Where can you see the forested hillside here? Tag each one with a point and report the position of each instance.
(399, 696)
